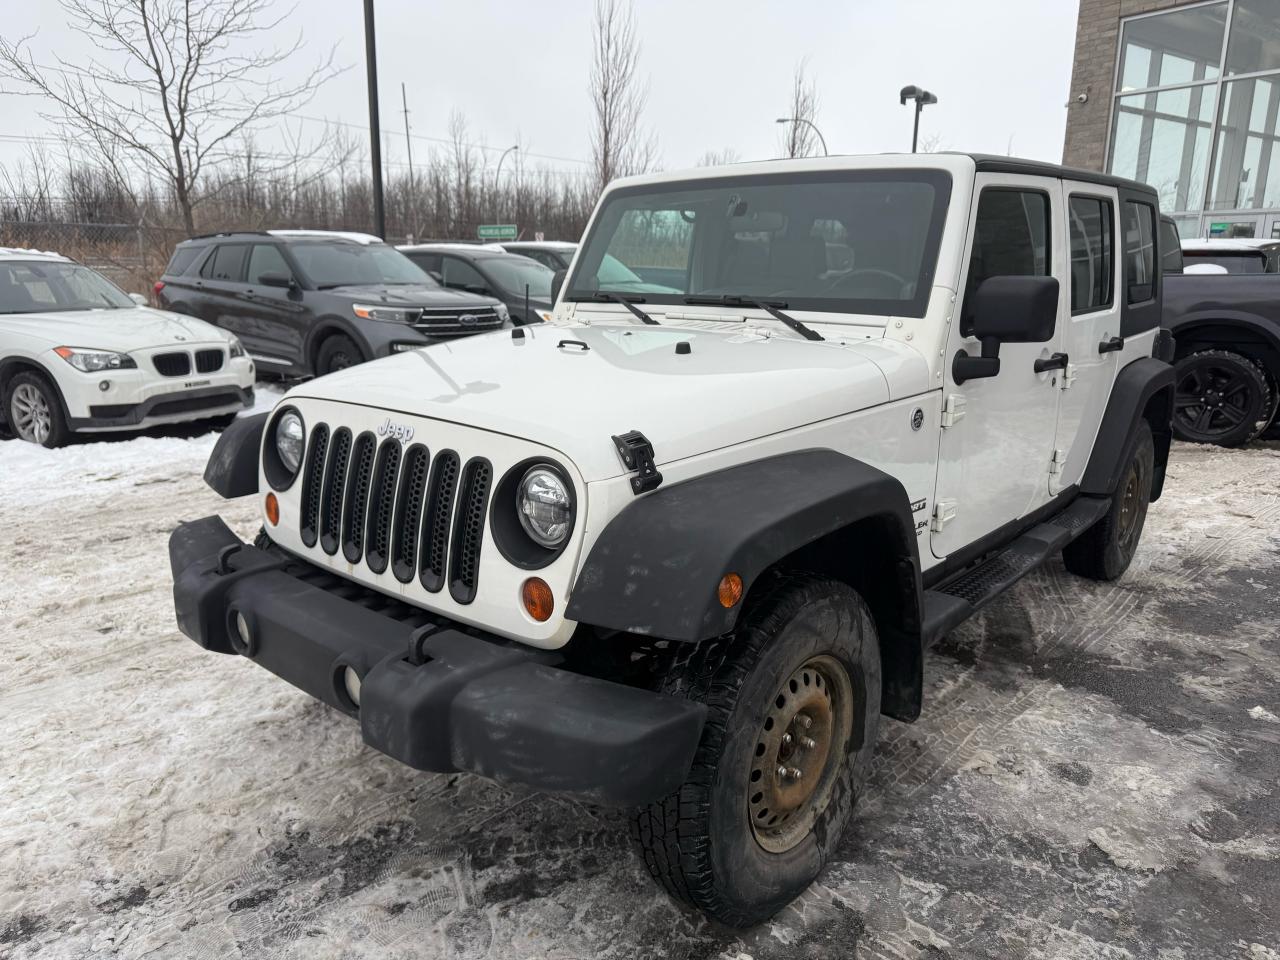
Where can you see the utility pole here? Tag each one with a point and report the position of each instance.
(375, 131)
(408, 146)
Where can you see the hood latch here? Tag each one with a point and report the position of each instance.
(636, 453)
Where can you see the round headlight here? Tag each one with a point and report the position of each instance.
(544, 506)
(289, 441)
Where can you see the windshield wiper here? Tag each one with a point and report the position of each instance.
(607, 296)
(733, 300)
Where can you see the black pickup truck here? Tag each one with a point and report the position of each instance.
(1223, 308)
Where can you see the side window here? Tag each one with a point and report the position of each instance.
(1170, 248)
(227, 263)
(1010, 239)
(182, 258)
(459, 274)
(1139, 251)
(1092, 266)
(266, 258)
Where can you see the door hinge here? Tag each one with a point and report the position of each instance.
(1056, 461)
(1068, 375)
(944, 511)
(953, 410)
(636, 453)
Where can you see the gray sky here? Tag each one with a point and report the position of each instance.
(719, 72)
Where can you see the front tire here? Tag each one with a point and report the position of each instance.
(793, 700)
(337, 353)
(1106, 549)
(34, 410)
(1220, 397)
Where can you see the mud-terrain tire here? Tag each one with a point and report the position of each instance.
(337, 353)
(806, 643)
(1105, 550)
(1220, 397)
(33, 410)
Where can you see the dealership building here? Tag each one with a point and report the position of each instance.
(1185, 97)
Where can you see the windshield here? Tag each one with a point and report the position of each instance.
(1246, 261)
(30, 287)
(850, 242)
(350, 264)
(513, 272)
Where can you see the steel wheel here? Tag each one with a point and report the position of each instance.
(798, 752)
(30, 414)
(1132, 507)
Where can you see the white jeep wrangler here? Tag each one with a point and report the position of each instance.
(680, 548)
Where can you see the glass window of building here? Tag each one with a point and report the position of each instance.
(1246, 175)
(1176, 47)
(1254, 45)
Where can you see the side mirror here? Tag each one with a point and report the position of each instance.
(1007, 310)
(276, 280)
(557, 281)
(139, 299)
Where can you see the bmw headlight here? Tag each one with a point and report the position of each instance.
(93, 361)
(235, 348)
(544, 506)
(289, 440)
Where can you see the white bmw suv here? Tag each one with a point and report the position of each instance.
(77, 354)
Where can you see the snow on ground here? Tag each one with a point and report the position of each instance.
(1095, 774)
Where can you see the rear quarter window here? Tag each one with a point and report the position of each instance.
(182, 258)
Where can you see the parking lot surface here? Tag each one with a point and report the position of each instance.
(1096, 774)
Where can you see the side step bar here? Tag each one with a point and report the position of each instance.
(959, 597)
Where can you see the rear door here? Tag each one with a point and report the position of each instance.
(276, 318)
(222, 276)
(1093, 320)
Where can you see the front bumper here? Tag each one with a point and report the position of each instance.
(173, 407)
(432, 696)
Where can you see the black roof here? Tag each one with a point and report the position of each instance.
(988, 163)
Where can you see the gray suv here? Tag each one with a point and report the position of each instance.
(311, 302)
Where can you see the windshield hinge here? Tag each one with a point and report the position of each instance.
(1068, 376)
(1056, 461)
(944, 511)
(636, 453)
(953, 410)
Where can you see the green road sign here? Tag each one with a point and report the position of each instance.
(497, 231)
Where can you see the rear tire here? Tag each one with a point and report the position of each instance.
(796, 688)
(1105, 550)
(337, 353)
(33, 410)
(1220, 397)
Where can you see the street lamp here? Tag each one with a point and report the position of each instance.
(821, 138)
(923, 98)
(497, 178)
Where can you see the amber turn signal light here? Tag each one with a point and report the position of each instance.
(537, 599)
(730, 590)
(273, 509)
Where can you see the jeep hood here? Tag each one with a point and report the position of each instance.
(123, 329)
(572, 388)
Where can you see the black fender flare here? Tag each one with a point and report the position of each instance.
(232, 470)
(1144, 388)
(655, 568)
(326, 326)
(1268, 332)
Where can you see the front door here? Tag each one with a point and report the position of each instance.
(994, 457)
(276, 320)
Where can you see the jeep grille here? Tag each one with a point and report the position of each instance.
(389, 506)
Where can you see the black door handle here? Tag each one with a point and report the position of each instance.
(1107, 346)
(1057, 361)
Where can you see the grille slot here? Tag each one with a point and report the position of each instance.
(468, 529)
(409, 498)
(172, 364)
(335, 474)
(435, 522)
(313, 484)
(357, 502)
(382, 501)
(208, 361)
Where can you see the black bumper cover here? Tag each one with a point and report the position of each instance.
(461, 702)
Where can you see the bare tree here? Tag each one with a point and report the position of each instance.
(718, 158)
(932, 143)
(802, 112)
(619, 146)
(174, 85)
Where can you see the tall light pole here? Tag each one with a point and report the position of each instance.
(923, 98)
(375, 130)
(810, 123)
(497, 179)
